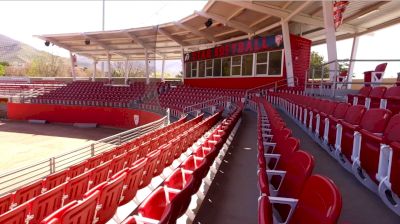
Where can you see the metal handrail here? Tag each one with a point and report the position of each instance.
(11, 180)
(274, 86)
(206, 104)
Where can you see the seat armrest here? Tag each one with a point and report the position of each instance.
(349, 126)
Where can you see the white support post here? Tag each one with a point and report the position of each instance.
(327, 7)
(94, 70)
(288, 53)
(109, 66)
(163, 69)
(126, 71)
(183, 64)
(72, 66)
(353, 55)
(146, 59)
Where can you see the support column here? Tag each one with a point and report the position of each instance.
(126, 71)
(146, 61)
(94, 70)
(353, 56)
(327, 7)
(162, 69)
(73, 58)
(183, 64)
(109, 66)
(288, 53)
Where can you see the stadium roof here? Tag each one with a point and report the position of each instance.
(232, 20)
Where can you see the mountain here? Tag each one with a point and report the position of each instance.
(15, 52)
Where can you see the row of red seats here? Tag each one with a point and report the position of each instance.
(377, 97)
(285, 179)
(365, 142)
(83, 176)
(170, 201)
(100, 204)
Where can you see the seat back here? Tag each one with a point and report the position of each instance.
(76, 170)
(118, 163)
(299, 166)
(354, 114)
(381, 67)
(83, 212)
(132, 180)
(55, 179)
(109, 198)
(178, 179)
(99, 174)
(375, 120)
(46, 203)
(364, 91)
(394, 176)
(16, 215)
(340, 110)
(392, 92)
(5, 202)
(377, 92)
(319, 202)
(149, 168)
(264, 210)
(77, 187)
(392, 130)
(28, 192)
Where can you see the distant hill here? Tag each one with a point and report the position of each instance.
(15, 52)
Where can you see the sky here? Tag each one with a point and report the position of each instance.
(22, 19)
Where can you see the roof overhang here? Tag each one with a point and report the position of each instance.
(232, 20)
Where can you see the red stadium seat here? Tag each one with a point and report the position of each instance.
(320, 202)
(364, 92)
(330, 125)
(133, 178)
(76, 170)
(76, 187)
(76, 211)
(345, 132)
(16, 216)
(129, 220)
(45, 204)
(26, 193)
(368, 142)
(118, 163)
(155, 204)
(5, 202)
(99, 174)
(54, 180)
(149, 168)
(376, 94)
(178, 179)
(110, 194)
(264, 210)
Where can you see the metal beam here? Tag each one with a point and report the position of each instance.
(196, 31)
(141, 43)
(101, 44)
(364, 11)
(282, 13)
(238, 12)
(177, 40)
(236, 25)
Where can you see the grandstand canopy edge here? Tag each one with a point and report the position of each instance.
(236, 21)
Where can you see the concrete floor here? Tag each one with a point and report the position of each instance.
(22, 143)
(233, 194)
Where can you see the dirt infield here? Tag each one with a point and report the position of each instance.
(22, 143)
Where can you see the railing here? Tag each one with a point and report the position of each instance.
(14, 179)
(220, 101)
(274, 85)
(330, 86)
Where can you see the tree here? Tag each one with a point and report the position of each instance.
(316, 63)
(47, 65)
(3, 65)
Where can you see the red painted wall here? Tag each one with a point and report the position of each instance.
(107, 116)
(301, 50)
(301, 54)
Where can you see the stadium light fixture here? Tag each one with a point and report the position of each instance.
(208, 23)
(47, 43)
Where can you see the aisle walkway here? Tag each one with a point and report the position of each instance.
(233, 195)
(360, 205)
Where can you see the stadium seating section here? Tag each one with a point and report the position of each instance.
(289, 191)
(362, 134)
(92, 191)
